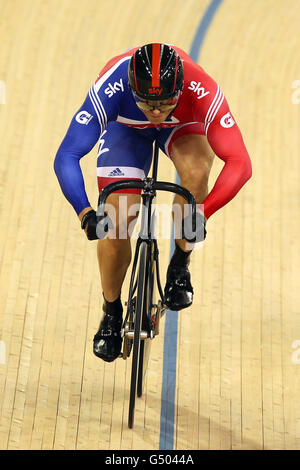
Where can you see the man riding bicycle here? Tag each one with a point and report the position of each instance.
(150, 93)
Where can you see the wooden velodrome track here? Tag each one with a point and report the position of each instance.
(238, 347)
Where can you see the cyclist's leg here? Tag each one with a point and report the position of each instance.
(189, 150)
(123, 153)
(192, 156)
(114, 253)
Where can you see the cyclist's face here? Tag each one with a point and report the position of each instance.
(156, 116)
(156, 111)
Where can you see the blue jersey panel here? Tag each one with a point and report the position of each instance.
(122, 146)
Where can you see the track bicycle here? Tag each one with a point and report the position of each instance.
(145, 302)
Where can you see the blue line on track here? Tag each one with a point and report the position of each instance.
(166, 441)
(202, 29)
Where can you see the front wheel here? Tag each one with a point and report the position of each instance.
(148, 300)
(140, 302)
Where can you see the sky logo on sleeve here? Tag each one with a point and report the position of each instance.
(112, 89)
(197, 88)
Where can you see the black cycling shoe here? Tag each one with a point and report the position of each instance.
(178, 291)
(108, 340)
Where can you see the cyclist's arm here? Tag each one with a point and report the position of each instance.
(81, 137)
(84, 131)
(228, 144)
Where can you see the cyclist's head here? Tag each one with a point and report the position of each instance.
(156, 74)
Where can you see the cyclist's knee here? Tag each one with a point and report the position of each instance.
(193, 159)
(196, 181)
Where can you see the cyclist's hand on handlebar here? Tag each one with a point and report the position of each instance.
(197, 235)
(89, 224)
(95, 227)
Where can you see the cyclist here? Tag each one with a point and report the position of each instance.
(154, 92)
